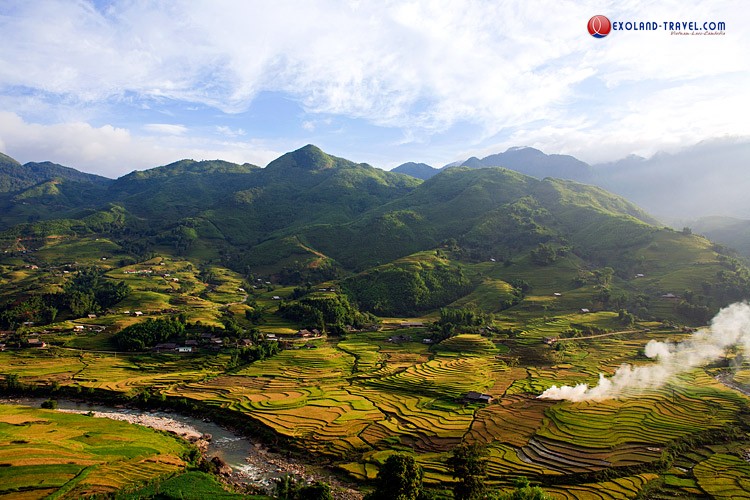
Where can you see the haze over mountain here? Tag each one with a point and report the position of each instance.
(707, 179)
(525, 160)
(535, 163)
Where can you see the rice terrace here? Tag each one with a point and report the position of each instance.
(401, 250)
(353, 389)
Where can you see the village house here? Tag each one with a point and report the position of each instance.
(477, 397)
(167, 346)
(411, 324)
(397, 339)
(36, 343)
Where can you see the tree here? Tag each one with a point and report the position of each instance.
(400, 478)
(12, 383)
(469, 465)
(289, 488)
(524, 491)
(315, 491)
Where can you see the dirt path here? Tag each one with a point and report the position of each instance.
(608, 334)
(727, 379)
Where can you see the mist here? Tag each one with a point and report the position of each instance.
(707, 179)
(729, 328)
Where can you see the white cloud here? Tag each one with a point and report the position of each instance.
(165, 128)
(516, 70)
(229, 132)
(111, 151)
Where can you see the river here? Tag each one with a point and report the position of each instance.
(251, 463)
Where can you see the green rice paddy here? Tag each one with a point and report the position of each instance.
(44, 452)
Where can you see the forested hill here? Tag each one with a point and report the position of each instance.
(312, 217)
(307, 203)
(15, 177)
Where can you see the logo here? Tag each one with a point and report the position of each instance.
(599, 26)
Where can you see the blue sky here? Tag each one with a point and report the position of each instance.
(111, 87)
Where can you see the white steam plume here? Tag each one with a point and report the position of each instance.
(730, 327)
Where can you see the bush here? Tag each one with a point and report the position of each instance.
(50, 404)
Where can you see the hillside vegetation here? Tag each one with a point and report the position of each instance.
(350, 313)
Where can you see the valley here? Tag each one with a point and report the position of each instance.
(343, 313)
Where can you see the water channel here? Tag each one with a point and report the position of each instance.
(251, 463)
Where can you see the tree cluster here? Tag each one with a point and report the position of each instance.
(394, 290)
(87, 292)
(289, 488)
(326, 312)
(140, 336)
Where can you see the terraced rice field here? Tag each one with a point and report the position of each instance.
(620, 488)
(358, 399)
(45, 452)
(119, 373)
(724, 476)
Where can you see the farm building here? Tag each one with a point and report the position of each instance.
(167, 346)
(411, 324)
(477, 397)
(36, 343)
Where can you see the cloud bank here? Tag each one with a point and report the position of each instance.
(504, 73)
(730, 327)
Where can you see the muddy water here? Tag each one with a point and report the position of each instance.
(250, 462)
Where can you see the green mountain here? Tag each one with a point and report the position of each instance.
(310, 216)
(419, 170)
(15, 177)
(39, 191)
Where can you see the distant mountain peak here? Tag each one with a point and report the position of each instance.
(536, 163)
(7, 160)
(15, 177)
(419, 170)
(309, 158)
